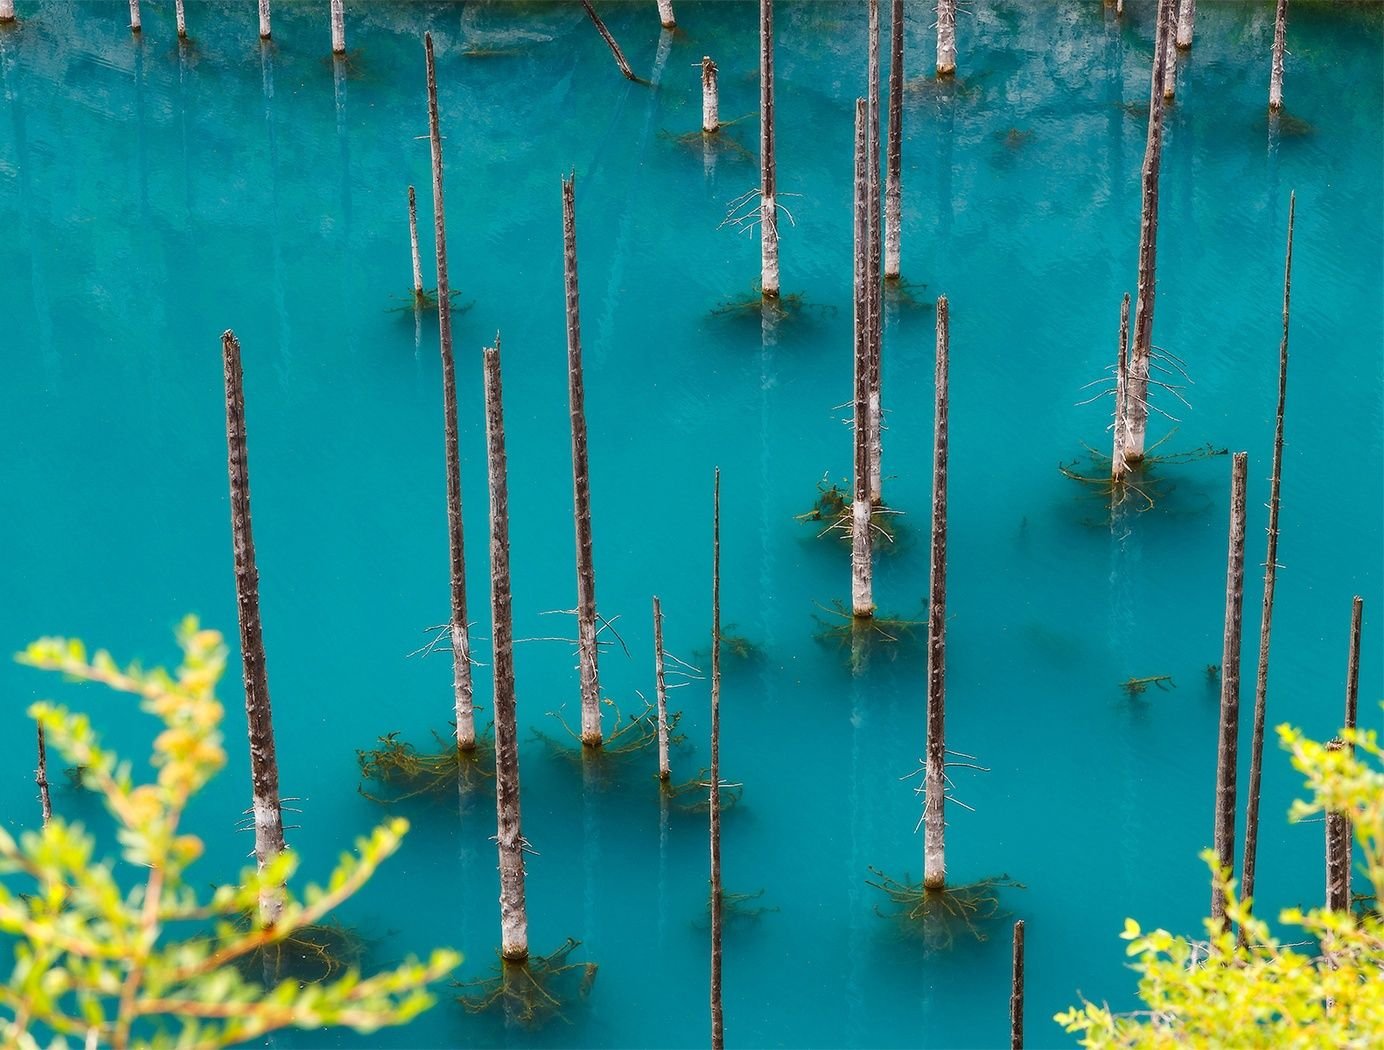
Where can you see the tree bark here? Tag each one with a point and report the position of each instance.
(264, 764)
(1016, 991)
(135, 25)
(1227, 746)
(581, 482)
(873, 289)
(1119, 465)
(338, 27)
(661, 692)
(1338, 853)
(180, 17)
(946, 37)
(1261, 680)
(893, 184)
(1186, 22)
(459, 628)
(1140, 357)
(862, 600)
(610, 41)
(1353, 664)
(768, 180)
(514, 923)
(1280, 33)
(41, 780)
(665, 14)
(711, 102)
(413, 245)
(934, 774)
(264, 19)
(718, 1035)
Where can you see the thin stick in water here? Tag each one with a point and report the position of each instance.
(610, 41)
(934, 775)
(718, 1034)
(1228, 740)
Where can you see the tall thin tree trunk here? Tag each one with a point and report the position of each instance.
(581, 481)
(946, 37)
(1353, 664)
(459, 628)
(41, 780)
(665, 14)
(934, 774)
(264, 30)
(264, 764)
(862, 600)
(1186, 23)
(514, 922)
(180, 17)
(1228, 740)
(1280, 33)
(661, 692)
(610, 41)
(1016, 991)
(1140, 357)
(338, 27)
(1339, 833)
(413, 246)
(893, 185)
(1119, 465)
(135, 25)
(711, 100)
(718, 1034)
(1261, 680)
(768, 180)
(873, 288)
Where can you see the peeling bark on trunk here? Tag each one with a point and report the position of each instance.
(665, 14)
(934, 774)
(946, 37)
(1227, 746)
(581, 481)
(711, 100)
(893, 185)
(135, 25)
(338, 27)
(1280, 33)
(862, 600)
(718, 1034)
(610, 41)
(413, 245)
(180, 17)
(459, 628)
(1261, 681)
(661, 692)
(514, 923)
(1141, 353)
(264, 19)
(768, 181)
(1186, 22)
(1016, 991)
(41, 780)
(873, 289)
(264, 765)
(1119, 466)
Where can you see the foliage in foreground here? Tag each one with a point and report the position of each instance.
(1328, 991)
(154, 964)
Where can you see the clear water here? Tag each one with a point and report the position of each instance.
(149, 202)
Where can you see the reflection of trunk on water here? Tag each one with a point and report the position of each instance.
(344, 147)
(276, 247)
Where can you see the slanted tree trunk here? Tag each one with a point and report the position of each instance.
(862, 600)
(665, 14)
(135, 25)
(934, 773)
(893, 186)
(459, 628)
(718, 1034)
(338, 27)
(1186, 22)
(413, 246)
(610, 41)
(946, 37)
(41, 780)
(264, 764)
(1261, 681)
(768, 181)
(514, 922)
(1119, 465)
(1228, 741)
(1016, 991)
(875, 312)
(264, 19)
(180, 17)
(581, 482)
(661, 692)
(1141, 355)
(1280, 33)
(711, 101)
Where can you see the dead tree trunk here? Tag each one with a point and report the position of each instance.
(768, 179)
(338, 27)
(718, 1034)
(180, 17)
(661, 692)
(1261, 681)
(1169, 66)
(1280, 33)
(1119, 465)
(6, 11)
(413, 246)
(514, 922)
(1353, 664)
(873, 289)
(459, 628)
(893, 184)
(264, 19)
(934, 774)
(946, 37)
(264, 764)
(581, 481)
(45, 801)
(665, 14)
(862, 600)
(610, 41)
(135, 26)
(1339, 833)
(1186, 22)
(1141, 355)
(1227, 746)
(711, 100)
(1016, 991)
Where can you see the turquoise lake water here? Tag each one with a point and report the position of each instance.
(148, 201)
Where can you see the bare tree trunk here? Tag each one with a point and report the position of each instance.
(661, 692)
(893, 186)
(581, 481)
(1119, 7)
(264, 19)
(946, 37)
(1261, 681)
(1339, 833)
(665, 14)
(264, 764)
(873, 289)
(413, 246)
(338, 27)
(135, 25)
(718, 1034)
(768, 180)
(1119, 465)
(610, 41)
(1280, 32)
(1016, 991)
(1140, 357)
(459, 628)
(1353, 664)
(934, 775)
(41, 780)
(1186, 21)
(711, 101)
(1169, 67)
(1227, 746)
(6, 11)
(862, 600)
(514, 922)
(180, 16)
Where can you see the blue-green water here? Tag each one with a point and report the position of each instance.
(148, 202)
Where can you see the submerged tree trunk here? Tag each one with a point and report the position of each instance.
(264, 764)
(862, 600)
(459, 628)
(1119, 465)
(338, 27)
(873, 289)
(665, 14)
(45, 801)
(718, 1034)
(264, 19)
(610, 41)
(581, 481)
(661, 693)
(1140, 357)
(768, 180)
(1228, 741)
(711, 100)
(1280, 33)
(934, 774)
(413, 246)
(1016, 991)
(946, 37)
(893, 186)
(514, 923)
(1261, 680)
(1186, 22)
